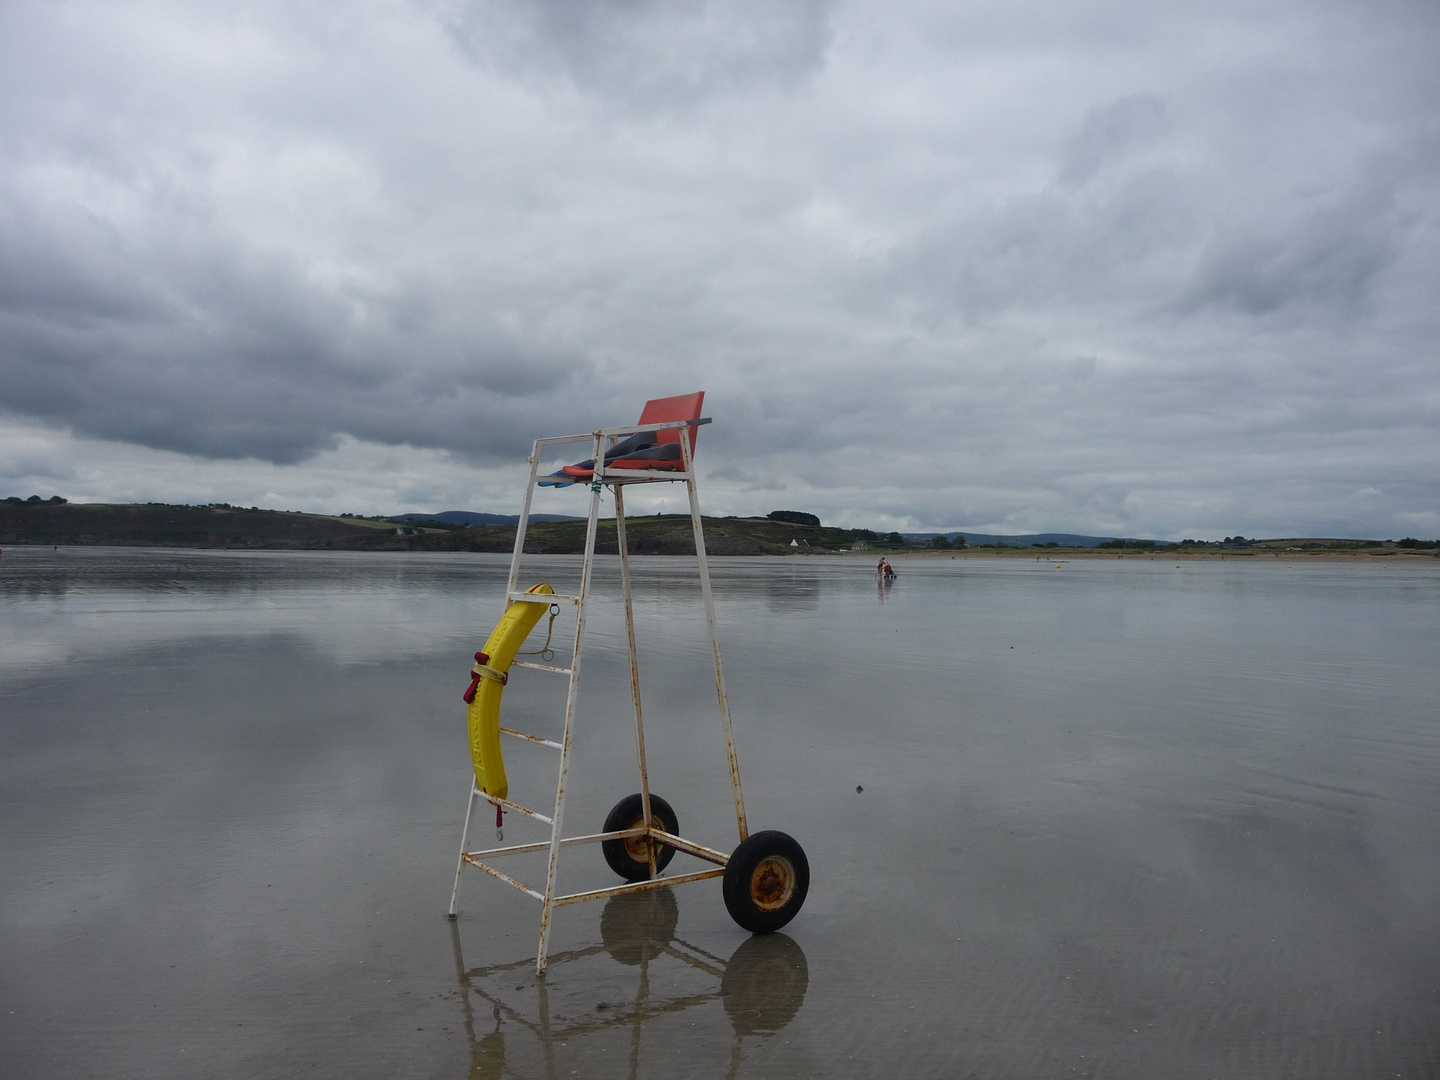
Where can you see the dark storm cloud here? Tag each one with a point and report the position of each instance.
(1114, 267)
(214, 350)
(237, 363)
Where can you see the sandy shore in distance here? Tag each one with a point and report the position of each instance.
(1379, 557)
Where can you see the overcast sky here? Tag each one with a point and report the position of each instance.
(1094, 266)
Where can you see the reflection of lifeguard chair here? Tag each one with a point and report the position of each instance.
(761, 989)
(766, 877)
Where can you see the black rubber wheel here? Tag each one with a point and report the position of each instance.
(764, 984)
(636, 926)
(631, 858)
(766, 881)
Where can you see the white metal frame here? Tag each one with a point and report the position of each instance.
(618, 480)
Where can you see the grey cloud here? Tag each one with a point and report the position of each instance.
(1327, 259)
(249, 361)
(1108, 132)
(1054, 245)
(941, 261)
(647, 54)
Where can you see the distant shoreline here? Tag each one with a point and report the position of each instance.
(1391, 554)
(223, 527)
(899, 558)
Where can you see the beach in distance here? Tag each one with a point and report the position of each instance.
(1381, 554)
(1065, 816)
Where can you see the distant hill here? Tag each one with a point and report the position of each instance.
(220, 525)
(223, 526)
(1025, 539)
(471, 517)
(165, 525)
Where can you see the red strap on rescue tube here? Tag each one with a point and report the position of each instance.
(480, 658)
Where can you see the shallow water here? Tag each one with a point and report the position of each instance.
(1118, 819)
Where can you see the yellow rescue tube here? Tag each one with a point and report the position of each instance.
(484, 708)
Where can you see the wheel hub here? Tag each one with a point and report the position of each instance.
(773, 883)
(638, 847)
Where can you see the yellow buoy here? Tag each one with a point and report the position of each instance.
(483, 714)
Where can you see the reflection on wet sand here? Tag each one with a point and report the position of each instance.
(796, 591)
(761, 988)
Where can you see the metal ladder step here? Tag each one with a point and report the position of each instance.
(531, 738)
(541, 667)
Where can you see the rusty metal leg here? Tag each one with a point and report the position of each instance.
(567, 742)
(523, 525)
(634, 669)
(464, 839)
(709, 599)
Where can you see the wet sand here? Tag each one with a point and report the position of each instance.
(1114, 822)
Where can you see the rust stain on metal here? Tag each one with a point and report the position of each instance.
(772, 884)
(648, 853)
(530, 738)
(504, 877)
(541, 845)
(679, 843)
(709, 597)
(493, 801)
(635, 887)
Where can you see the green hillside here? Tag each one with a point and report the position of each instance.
(163, 525)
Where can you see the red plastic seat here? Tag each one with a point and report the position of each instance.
(663, 411)
(666, 409)
(654, 456)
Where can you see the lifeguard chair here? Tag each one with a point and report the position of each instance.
(767, 876)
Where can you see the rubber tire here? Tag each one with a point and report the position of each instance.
(743, 878)
(627, 814)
